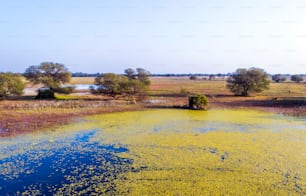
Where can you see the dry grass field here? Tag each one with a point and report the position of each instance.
(178, 85)
(168, 85)
(82, 80)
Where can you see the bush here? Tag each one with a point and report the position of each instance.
(193, 78)
(198, 102)
(10, 84)
(278, 78)
(297, 78)
(45, 94)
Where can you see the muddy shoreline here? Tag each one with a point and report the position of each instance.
(22, 116)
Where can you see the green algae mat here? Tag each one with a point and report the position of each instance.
(160, 152)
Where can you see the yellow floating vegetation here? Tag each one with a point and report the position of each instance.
(182, 152)
(216, 152)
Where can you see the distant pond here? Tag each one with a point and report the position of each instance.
(160, 152)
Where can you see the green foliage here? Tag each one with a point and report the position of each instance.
(133, 83)
(110, 84)
(198, 102)
(244, 81)
(297, 78)
(10, 84)
(278, 78)
(51, 75)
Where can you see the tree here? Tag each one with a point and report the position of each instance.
(198, 102)
(51, 75)
(297, 78)
(110, 84)
(278, 78)
(143, 76)
(193, 78)
(130, 73)
(10, 84)
(133, 83)
(244, 81)
(212, 77)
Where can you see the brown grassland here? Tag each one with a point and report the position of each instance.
(24, 114)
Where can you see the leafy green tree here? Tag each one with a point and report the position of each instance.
(133, 83)
(244, 81)
(297, 78)
(198, 102)
(10, 84)
(110, 84)
(51, 75)
(278, 78)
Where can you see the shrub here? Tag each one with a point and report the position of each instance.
(278, 78)
(10, 84)
(193, 78)
(198, 102)
(297, 78)
(45, 93)
(134, 83)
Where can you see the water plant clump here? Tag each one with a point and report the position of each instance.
(198, 102)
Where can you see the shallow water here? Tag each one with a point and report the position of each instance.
(163, 152)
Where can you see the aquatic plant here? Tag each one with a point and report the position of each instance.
(198, 102)
(167, 152)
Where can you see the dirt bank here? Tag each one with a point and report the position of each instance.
(21, 116)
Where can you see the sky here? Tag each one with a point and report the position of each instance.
(162, 36)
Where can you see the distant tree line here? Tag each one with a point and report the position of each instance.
(132, 83)
(81, 74)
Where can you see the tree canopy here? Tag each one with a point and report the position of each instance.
(198, 102)
(10, 84)
(244, 81)
(297, 78)
(51, 75)
(132, 83)
(278, 78)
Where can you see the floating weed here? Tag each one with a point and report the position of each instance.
(164, 152)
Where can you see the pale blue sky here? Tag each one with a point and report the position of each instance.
(163, 36)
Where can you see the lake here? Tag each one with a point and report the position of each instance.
(160, 152)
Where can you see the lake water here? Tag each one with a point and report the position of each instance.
(163, 152)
